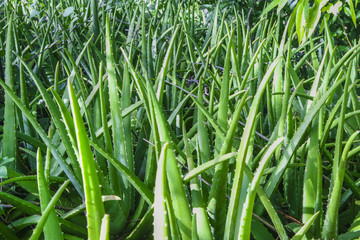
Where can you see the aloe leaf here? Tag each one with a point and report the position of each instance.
(48, 210)
(29, 178)
(69, 123)
(285, 101)
(273, 4)
(301, 233)
(181, 207)
(9, 137)
(200, 217)
(143, 227)
(331, 220)
(300, 30)
(118, 183)
(245, 222)
(162, 75)
(94, 204)
(314, 17)
(352, 11)
(22, 204)
(349, 235)
(24, 222)
(217, 192)
(313, 175)
(209, 164)
(202, 130)
(52, 228)
(79, 80)
(259, 231)
(161, 222)
(194, 234)
(268, 206)
(94, 12)
(126, 103)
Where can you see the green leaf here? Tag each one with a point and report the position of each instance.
(94, 204)
(300, 21)
(117, 182)
(352, 10)
(273, 4)
(9, 138)
(52, 227)
(161, 221)
(50, 208)
(314, 16)
(301, 233)
(209, 164)
(245, 222)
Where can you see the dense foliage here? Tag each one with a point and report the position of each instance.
(179, 119)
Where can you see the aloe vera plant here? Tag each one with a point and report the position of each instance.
(179, 120)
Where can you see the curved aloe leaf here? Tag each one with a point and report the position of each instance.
(268, 205)
(50, 208)
(301, 233)
(245, 222)
(331, 218)
(94, 204)
(205, 166)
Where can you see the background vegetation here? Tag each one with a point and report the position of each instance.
(179, 119)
